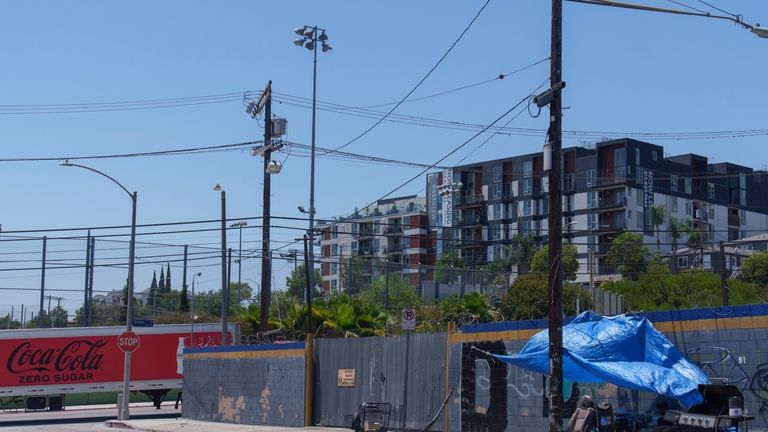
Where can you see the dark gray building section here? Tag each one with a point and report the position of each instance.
(258, 391)
(405, 371)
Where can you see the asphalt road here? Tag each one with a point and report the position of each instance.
(77, 419)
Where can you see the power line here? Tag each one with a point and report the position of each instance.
(378, 122)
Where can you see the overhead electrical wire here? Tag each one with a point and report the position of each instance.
(424, 78)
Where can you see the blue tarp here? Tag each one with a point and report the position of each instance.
(624, 350)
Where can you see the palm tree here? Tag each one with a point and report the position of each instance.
(676, 228)
(696, 242)
(656, 217)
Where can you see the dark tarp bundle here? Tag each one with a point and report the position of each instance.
(624, 350)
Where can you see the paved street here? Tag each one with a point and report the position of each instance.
(184, 425)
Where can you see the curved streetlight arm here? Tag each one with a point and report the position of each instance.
(69, 164)
(757, 30)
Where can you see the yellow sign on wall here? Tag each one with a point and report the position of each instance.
(346, 378)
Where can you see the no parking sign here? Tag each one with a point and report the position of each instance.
(408, 319)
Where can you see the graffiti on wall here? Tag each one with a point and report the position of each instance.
(483, 395)
(758, 386)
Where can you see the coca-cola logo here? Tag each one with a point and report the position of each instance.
(76, 356)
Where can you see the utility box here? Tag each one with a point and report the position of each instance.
(278, 127)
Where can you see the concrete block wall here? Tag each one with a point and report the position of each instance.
(258, 384)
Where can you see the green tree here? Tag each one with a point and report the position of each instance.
(529, 298)
(297, 282)
(472, 308)
(446, 267)
(628, 255)
(351, 275)
(521, 250)
(656, 216)
(184, 300)
(660, 289)
(569, 261)
(696, 242)
(755, 268)
(676, 228)
(210, 303)
(399, 294)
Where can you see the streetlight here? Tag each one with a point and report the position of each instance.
(192, 312)
(123, 412)
(240, 226)
(224, 284)
(309, 37)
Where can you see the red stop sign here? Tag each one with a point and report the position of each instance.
(128, 341)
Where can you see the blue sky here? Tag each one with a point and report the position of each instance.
(626, 71)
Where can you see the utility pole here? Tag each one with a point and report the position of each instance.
(723, 274)
(555, 282)
(184, 272)
(42, 283)
(266, 265)
(90, 280)
(86, 303)
(310, 289)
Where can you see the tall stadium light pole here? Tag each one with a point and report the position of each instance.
(309, 38)
(123, 412)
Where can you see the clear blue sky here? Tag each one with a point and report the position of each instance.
(627, 71)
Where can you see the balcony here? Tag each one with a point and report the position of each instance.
(611, 204)
(393, 229)
(367, 232)
(393, 249)
(611, 179)
(469, 200)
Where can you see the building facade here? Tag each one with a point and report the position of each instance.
(389, 237)
(608, 189)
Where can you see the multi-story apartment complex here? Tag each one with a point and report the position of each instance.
(607, 189)
(391, 236)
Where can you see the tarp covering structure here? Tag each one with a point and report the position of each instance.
(624, 350)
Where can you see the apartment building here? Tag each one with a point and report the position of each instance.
(389, 237)
(608, 188)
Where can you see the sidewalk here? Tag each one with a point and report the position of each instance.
(185, 425)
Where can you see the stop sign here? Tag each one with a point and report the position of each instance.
(128, 341)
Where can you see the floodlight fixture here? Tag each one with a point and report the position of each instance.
(298, 41)
(326, 47)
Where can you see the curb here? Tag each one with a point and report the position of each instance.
(120, 424)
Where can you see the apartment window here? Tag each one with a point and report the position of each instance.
(496, 231)
(682, 262)
(335, 231)
(376, 227)
(591, 199)
(711, 211)
(742, 217)
(743, 234)
(591, 177)
(591, 220)
(334, 285)
(568, 203)
(637, 156)
(655, 155)
(687, 181)
(334, 268)
(711, 191)
(688, 208)
(527, 186)
(526, 226)
(707, 261)
(639, 175)
(743, 197)
(334, 250)
(376, 246)
(354, 247)
(527, 169)
(497, 174)
(497, 211)
(711, 231)
(639, 223)
(354, 228)
(567, 182)
(639, 197)
(496, 191)
(673, 182)
(673, 204)
(527, 207)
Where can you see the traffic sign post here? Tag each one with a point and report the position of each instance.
(128, 341)
(408, 319)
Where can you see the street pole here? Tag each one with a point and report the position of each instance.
(723, 275)
(310, 288)
(42, 283)
(224, 285)
(311, 249)
(91, 268)
(86, 303)
(266, 265)
(554, 279)
(123, 412)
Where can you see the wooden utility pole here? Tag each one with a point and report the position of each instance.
(554, 280)
(266, 257)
